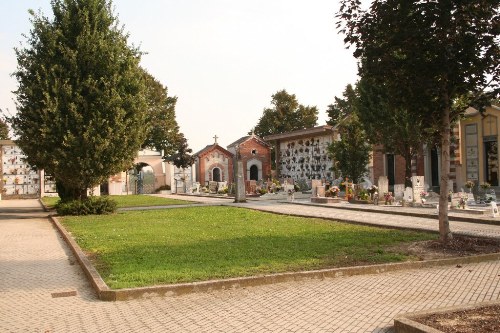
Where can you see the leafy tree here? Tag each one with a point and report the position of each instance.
(163, 129)
(4, 130)
(80, 97)
(426, 54)
(397, 130)
(351, 153)
(183, 158)
(286, 114)
(342, 107)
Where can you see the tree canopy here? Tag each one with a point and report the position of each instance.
(392, 130)
(342, 107)
(162, 128)
(426, 54)
(4, 129)
(183, 158)
(285, 115)
(81, 95)
(352, 153)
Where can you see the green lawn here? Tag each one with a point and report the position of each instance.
(142, 248)
(130, 201)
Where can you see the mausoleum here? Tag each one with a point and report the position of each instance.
(256, 157)
(214, 163)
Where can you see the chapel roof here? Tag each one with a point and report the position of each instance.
(246, 138)
(212, 147)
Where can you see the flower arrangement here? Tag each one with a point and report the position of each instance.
(363, 195)
(223, 190)
(389, 199)
(469, 184)
(373, 189)
(423, 194)
(333, 191)
(16, 180)
(485, 185)
(462, 202)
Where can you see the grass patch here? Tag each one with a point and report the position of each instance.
(129, 201)
(142, 248)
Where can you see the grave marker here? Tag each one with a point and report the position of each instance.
(399, 191)
(418, 187)
(383, 185)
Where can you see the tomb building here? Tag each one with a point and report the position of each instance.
(474, 155)
(214, 164)
(302, 155)
(255, 155)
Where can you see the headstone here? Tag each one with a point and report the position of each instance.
(253, 186)
(494, 209)
(470, 199)
(320, 191)
(399, 191)
(418, 188)
(455, 200)
(450, 185)
(212, 186)
(408, 195)
(221, 186)
(314, 184)
(383, 185)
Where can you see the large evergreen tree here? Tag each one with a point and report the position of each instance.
(81, 95)
(286, 114)
(426, 54)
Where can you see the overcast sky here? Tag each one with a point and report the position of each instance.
(223, 59)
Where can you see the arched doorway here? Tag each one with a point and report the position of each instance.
(142, 179)
(216, 175)
(254, 172)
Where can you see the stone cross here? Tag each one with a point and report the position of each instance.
(215, 138)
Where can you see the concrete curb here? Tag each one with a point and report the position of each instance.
(106, 294)
(44, 206)
(396, 212)
(405, 323)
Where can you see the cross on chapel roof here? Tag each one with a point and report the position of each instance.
(215, 137)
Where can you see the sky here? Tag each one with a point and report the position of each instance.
(223, 59)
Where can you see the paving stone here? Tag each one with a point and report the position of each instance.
(35, 263)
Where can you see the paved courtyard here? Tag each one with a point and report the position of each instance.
(36, 269)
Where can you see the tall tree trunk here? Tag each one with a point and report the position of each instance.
(408, 159)
(444, 223)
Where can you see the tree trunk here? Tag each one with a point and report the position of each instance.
(444, 223)
(408, 159)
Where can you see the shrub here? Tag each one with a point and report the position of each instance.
(163, 188)
(89, 206)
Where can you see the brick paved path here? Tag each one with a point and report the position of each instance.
(34, 263)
